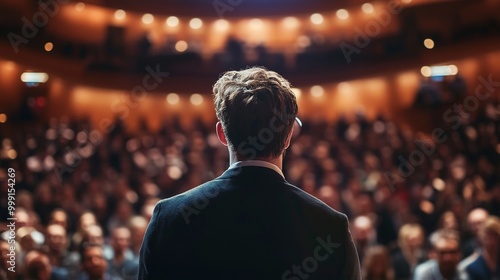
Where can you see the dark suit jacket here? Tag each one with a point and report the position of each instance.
(249, 223)
(479, 270)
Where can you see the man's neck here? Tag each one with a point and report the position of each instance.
(278, 161)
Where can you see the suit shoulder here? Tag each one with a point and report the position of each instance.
(191, 201)
(317, 204)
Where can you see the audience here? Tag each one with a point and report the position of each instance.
(94, 265)
(37, 266)
(377, 264)
(472, 247)
(410, 252)
(364, 235)
(446, 250)
(123, 263)
(74, 190)
(487, 265)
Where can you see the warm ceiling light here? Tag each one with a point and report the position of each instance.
(316, 19)
(181, 46)
(453, 69)
(79, 6)
(439, 71)
(172, 21)
(317, 91)
(426, 71)
(34, 77)
(120, 14)
(48, 46)
(195, 23)
(291, 22)
(221, 24)
(303, 41)
(367, 8)
(429, 43)
(148, 18)
(342, 14)
(256, 23)
(196, 99)
(344, 87)
(173, 98)
(3, 118)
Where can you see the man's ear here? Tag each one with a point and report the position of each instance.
(220, 133)
(289, 138)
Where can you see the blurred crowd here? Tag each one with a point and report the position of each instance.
(417, 208)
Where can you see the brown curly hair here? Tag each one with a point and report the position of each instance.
(257, 110)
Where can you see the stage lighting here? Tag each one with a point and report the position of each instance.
(195, 23)
(148, 18)
(317, 91)
(172, 21)
(342, 14)
(120, 14)
(34, 77)
(367, 8)
(429, 43)
(316, 19)
(196, 99)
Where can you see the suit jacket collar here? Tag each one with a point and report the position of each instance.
(251, 172)
(257, 163)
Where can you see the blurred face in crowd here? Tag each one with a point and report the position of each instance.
(120, 239)
(362, 230)
(448, 255)
(94, 235)
(56, 238)
(138, 229)
(93, 262)
(475, 219)
(4, 250)
(379, 266)
(86, 220)
(491, 240)
(37, 266)
(449, 221)
(23, 219)
(59, 217)
(415, 239)
(330, 196)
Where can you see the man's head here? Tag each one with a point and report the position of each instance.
(120, 240)
(93, 261)
(4, 250)
(138, 226)
(94, 235)
(56, 238)
(86, 219)
(475, 219)
(37, 265)
(59, 217)
(446, 244)
(363, 231)
(256, 109)
(489, 233)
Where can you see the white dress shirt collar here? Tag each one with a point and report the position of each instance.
(260, 163)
